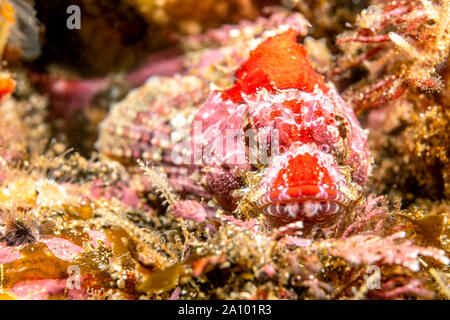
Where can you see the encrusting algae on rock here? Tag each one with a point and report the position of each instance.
(243, 175)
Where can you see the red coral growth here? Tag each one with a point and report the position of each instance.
(277, 63)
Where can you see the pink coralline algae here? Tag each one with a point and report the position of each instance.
(189, 209)
(372, 249)
(45, 289)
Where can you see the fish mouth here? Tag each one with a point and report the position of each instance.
(307, 202)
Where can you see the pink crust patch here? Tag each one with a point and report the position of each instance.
(44, 289)
(62, 248)
(252, 224)
(8, 254)
(59, 247)
(98, 236)
(189, 209)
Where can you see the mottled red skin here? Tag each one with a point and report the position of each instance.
(277, 89)
(273, 65)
